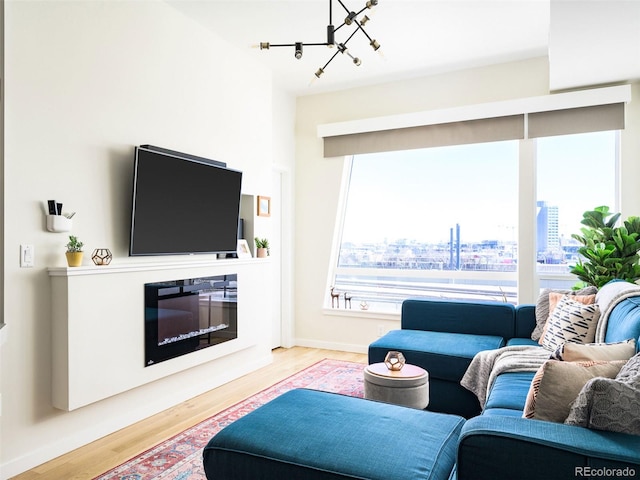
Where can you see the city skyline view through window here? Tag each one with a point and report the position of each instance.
(456, 209)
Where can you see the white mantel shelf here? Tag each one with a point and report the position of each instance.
(151, 266)
(98, 329)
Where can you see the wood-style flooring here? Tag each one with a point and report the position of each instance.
(97, 457)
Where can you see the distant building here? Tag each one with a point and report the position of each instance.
(548, 236)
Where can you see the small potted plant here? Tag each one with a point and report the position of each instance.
(74, 251)
(262, 247)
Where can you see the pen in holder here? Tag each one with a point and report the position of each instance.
(58, 223)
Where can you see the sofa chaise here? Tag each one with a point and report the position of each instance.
(318, 435)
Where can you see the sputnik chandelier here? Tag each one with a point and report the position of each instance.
(350, 20)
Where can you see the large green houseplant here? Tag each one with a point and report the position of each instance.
(608, 251)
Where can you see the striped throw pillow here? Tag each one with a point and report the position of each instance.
(571, 321)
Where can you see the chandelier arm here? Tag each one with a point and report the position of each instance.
(361, 28)
(343, 6)
(332, 57)
(338, 28)
(303, 44)
(350, 37)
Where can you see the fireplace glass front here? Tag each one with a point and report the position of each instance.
(182, 316)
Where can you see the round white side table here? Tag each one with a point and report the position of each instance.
(408, 387)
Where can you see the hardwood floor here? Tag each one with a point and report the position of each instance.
(97, 457)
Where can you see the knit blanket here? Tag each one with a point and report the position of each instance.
(488, 364)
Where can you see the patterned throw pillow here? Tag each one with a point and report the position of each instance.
(554, 299)
(574, 352)
(557, 384)
(542, 307)
(610, 404)
(571, 321)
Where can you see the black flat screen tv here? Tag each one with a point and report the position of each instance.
(183, 204)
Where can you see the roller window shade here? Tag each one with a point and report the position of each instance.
(454, 133)
(576, 120)
(563, 121)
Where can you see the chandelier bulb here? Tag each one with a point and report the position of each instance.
(364, 20)
(357, 62)
(374, 44)
(350, 18)
(298, 47)
(319, 72)
(372, 3)
(264, 45)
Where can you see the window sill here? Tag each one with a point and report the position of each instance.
(358, 313)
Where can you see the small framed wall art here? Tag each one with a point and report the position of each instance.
(264, 206)
(243, 249)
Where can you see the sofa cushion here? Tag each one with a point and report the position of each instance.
(610, 404)
(525, 320)
(571, 321)
(504, 447)
(319, 436)
(574, 352)
(509, 412)
(509, 391)
(522, 341)
(444, 355)
(557, 384)
(542, 307)
(459, 316)
(624, 321)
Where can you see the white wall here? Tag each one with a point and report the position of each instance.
(318, 179)
(584, 33)
(85, 82)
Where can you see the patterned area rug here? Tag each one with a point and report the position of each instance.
(180, 457)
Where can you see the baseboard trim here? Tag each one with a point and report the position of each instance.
(343, 347)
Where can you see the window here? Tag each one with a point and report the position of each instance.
(575, 173)
(443, 222)
(432, 222)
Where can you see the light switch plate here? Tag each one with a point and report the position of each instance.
(27, 256)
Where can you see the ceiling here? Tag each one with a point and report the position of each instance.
(417, 37)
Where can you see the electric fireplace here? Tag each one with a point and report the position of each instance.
(182, 316)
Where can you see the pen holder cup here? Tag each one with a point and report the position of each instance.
(58, 223)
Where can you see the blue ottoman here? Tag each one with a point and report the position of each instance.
(312, 435)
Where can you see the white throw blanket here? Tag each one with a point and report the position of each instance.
(488, 364)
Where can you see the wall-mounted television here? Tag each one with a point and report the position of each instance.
(183, 204)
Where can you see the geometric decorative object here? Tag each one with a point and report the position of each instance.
(394, 360)
(341, 47)
(101, 256)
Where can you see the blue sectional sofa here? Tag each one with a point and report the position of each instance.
(323, 436)
(443, 336)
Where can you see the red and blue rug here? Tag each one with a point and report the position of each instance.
(180, 457)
